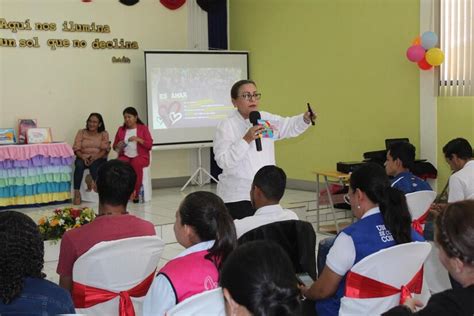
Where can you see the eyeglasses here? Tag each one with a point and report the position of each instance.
(347, 198)
(248, 96)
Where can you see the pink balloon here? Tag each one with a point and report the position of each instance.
(415, 53)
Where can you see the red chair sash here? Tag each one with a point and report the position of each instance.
(85, 296)
(359, 286)
(417, 223)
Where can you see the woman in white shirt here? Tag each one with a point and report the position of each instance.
(235, 151)
(133, 143)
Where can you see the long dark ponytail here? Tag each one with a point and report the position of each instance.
(371, 179)
(208, 215)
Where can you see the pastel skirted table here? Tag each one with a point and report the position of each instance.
(35, 174)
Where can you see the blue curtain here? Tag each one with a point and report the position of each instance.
(217, 22)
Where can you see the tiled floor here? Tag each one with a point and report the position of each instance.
(161, 212)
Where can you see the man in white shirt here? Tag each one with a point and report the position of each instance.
(235, 150)
(458, 154)
(267, 190)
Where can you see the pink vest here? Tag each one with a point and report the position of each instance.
(191, 274)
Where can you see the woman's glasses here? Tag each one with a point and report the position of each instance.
(347, 198)
(249, 96)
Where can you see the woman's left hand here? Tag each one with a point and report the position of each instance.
(135, 139)
(303, 290)
(307, 117)
(412, 303)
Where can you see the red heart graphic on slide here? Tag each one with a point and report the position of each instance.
(171, 113)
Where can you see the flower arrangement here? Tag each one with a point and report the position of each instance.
(64, 219)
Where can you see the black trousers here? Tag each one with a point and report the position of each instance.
(241, 209)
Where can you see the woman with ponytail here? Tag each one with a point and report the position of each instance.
(205, 228)
(383, 222)
(258, 279)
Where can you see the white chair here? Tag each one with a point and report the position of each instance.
(418, 205)
(470, 197)
(88, 196)
(206, 303)
(146, 182)
(115, 267)
(436, 275)
(394, 267)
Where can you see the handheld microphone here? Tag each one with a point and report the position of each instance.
(254, 116)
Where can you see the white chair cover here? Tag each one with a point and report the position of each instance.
(394, 266)
(436, 275)
(146, 182)
(206, 303)
(117, 266)
(88, 196)
(419, 202)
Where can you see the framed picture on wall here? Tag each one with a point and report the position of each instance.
(7, 136)
(39, 135)
(23, 126)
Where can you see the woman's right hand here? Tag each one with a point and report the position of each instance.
(120, 146)
(253, 133)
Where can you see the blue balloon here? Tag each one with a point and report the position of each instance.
(429, 40)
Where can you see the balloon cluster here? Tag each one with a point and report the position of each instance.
(423, 51)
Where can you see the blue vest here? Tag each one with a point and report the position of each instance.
(369, 236)
(407, 182)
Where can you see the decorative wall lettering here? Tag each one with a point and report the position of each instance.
(60, 43)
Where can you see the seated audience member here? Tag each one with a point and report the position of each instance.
(267, 190)
(383, 221)
(458, 154)
(400, 159)
(23, 288)
(115, 185)
(91, 147)
(205, 228)
(133, 143)
(258, 279)
(454, 236)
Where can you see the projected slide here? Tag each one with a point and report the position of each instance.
(191, 97)
(188, 93)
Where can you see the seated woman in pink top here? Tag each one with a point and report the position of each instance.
(205, 228)
(133, 143)
(91, 147)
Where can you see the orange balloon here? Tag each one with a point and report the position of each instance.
(416, 40)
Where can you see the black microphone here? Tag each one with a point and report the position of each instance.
(254, 116)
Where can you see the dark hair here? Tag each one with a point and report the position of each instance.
(101, 127)
(132, 111)
(371, 179)
(208, 215)
(21, 253)
(115, 182)
(271, 180)
(403, 151)
(455, 230)
(260, 276)
(234, 91)
(458, 146)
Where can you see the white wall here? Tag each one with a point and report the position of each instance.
(61, 87)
